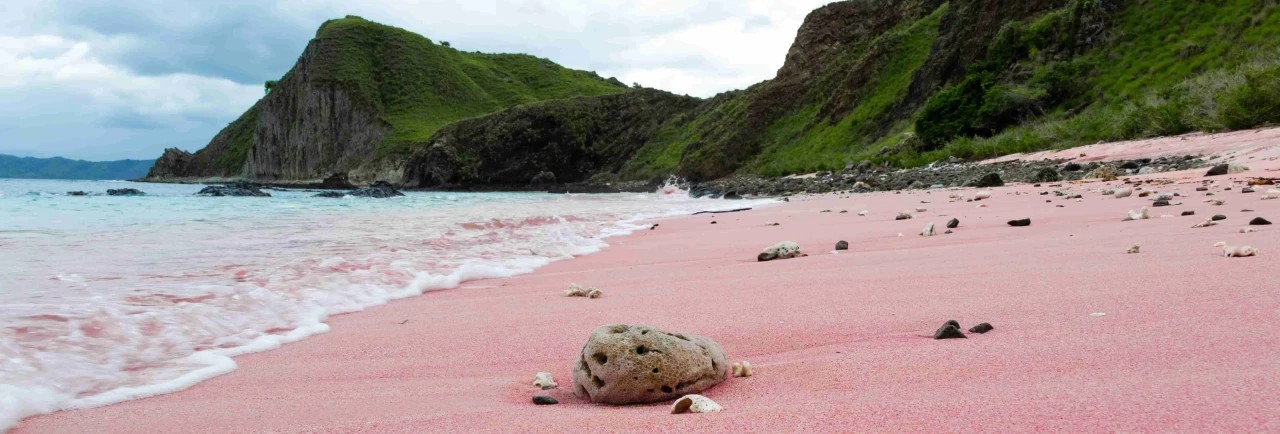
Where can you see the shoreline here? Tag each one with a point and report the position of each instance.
(839, 341)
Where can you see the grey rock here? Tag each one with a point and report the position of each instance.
(123, 192)
(1219, 217)
(1020, 223)
(636, 364)
(842, 245)
(544, 400)
(1188, 213)
(1259, 221)
(987, 181)
(953, 223)
(981, 328)
(236, 189)
(378, 190)
(1218, 170)
(949, 330)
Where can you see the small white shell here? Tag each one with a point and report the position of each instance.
(695, 404)
(742, 369)
(544, 381)
(1204, 224)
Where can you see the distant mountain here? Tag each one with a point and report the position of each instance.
(62, 168)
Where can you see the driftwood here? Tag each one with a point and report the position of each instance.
(722, 212)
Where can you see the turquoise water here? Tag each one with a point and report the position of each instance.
(105, 299)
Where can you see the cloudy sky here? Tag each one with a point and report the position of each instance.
(110, 79)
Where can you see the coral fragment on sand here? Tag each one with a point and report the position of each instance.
(742, 369)
(543, 380)
(695, 404)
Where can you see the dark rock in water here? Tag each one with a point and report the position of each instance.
(1219, 217)
(124, 192)
(1218, 170)
(1160, 203)
(988, 180)
(337, 181)
(733, 195)
(842, 245)
(332, 194)
(1072, 167)
(379, 190)
(544, 400)
(240, 188)
(1246, 190)
(1047, 174)
(949, 331)
(77, 193)
(1188, 213)
(954, 223)
(1259, 221)
(1020, 223)
(701, 191)
(981, 328)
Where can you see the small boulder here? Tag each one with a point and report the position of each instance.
(377, 190)
(544, 400)
(783, 250)
(1160, 203)
(1020, 223)
(953, 223)
(1188, 213)
(1259, 221)
(987, 181)
(637, 364)
(1219, 217)
(842, 245)
(235, 189)
(981, 328)
(1218, 170)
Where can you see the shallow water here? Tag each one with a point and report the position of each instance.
(105, 299)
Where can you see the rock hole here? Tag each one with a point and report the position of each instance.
(601, 358)
(597, 381)
(644, 332)
(681, 386)
(618, 329)
(666, 389)
(655, 370)
(641, 350)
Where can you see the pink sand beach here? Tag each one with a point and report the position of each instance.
(1087, 338)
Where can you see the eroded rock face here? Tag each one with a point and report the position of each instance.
(637, 364)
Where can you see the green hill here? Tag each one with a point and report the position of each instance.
(62, 168)
(363, 95)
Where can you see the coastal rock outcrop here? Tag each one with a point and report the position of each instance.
(636, 364)
(379, 190)
(238, 189)
(124, 192)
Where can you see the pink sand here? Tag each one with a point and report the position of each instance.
(839, 342)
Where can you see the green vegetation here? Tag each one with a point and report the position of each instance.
(239, 139)
(418, 87)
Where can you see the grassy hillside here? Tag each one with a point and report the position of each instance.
(62, 168)
(979, 79)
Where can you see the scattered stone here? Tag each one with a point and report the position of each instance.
(844, 211)
(948, 232)
(1144, 194)
(1202, 188)
(695, 404)
(903, 216)
(1246, 190)
(1218, 170)
(125, 192)
(713, 222)
(927, 231)
(1072, 167)
(1020, 223)
(981, 328)
(953, 223)
(544, 400)
(774, 224)
(1160, 203)
(1236, 251)
(987, 181)
(842, 245)
(1136, 248)
(1246, 230)
(862, 213)
(1271, 194)
(824, 211)
(949, 330)
(1204, 224)
(576, 290)
(742, 369)
(782, 250)
(1259, 221)
(543, 380)
(1219, 217)
(637, 364)
(1141, 214)
(1123, 192)
(982, 195)
(1188, 213)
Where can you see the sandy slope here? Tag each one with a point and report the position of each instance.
(839, 343)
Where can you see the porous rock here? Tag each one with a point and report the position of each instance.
(636, 364)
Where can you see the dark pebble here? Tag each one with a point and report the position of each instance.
(1259, 222)
(981, 328)
(949, 331)
(1246, 190)
(1020, 223)
(713, 222)
(902, 217)
(1218, 170)
(1219, 217)
(954, 223)
(842, 245)
(1160, 203)
(655, 226)
(1202, 188)
(1187, 213)
(545, 400)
